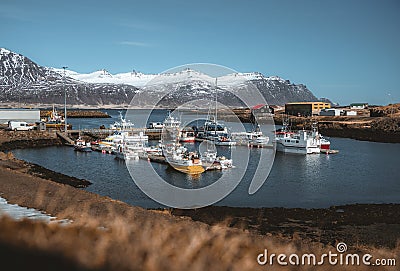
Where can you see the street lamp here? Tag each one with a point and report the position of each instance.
(65, 102)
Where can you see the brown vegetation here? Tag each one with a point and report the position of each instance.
(391, 110)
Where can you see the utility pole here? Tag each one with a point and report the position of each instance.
(65, 102)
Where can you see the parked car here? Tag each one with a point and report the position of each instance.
(19, 126)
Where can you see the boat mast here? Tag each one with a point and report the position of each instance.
(65, 102)
(216, 111)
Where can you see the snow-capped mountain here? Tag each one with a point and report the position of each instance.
(23, 80)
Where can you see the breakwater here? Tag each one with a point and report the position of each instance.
(77, 114)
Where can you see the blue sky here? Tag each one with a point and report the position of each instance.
(348, 51)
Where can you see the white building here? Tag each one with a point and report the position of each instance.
(331, 112)
(27, 115)
(358, 105)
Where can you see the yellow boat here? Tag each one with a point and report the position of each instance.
(188, 169)
(183, 161)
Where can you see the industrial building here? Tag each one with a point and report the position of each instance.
(331, 112)
(27, 115)
(305, 108)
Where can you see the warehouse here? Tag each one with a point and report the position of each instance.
(27, 115)
(305, 108)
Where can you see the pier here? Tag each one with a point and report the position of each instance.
(153, 134)
(65, 137)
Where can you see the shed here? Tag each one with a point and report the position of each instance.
(19, 114)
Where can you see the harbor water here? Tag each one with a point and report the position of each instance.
(362, 172)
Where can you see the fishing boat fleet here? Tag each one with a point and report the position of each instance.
(127, 145)
(172, 148)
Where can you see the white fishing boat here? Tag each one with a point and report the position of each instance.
(210, 128)
(298, 142)
(223, 140)
(224, 162)
(82, 146)
(325, 143)
(122, 125)
(253, 139)
(111, 140)
(214, 131)
(120, 137)
(259, 141)
(129, 150)
(186, 135)
(153, 150)
(211, 160)
(208, 158)
(54, 120)
(171, 122)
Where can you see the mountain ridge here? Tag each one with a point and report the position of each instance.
(20, 77)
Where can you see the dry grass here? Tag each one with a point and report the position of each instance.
(114, 241)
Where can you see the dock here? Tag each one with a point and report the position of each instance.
(153, 134)
(157, 159)
(329, 151)
(65, 137)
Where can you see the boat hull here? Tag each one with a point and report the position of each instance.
(193, 169)
(83, 149)
(225, 143)
(290, 149)
(187, 139)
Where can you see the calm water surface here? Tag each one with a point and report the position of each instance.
(362, 172)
